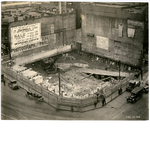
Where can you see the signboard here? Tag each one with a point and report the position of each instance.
(27, 34)
(19, 50)
(102, 42)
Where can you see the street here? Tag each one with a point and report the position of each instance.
(16, 106)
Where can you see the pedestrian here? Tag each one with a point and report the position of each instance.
(120, 91)
(95, 103)
(4, 82)
(103, 102)
(72, 108)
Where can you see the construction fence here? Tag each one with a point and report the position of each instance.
(64, 103)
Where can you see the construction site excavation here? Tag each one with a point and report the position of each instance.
(74, 56)
(72, 74)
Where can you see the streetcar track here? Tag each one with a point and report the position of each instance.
(8, 116)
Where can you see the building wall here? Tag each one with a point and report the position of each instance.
(4, 39)
(124, 48)
(64, 29)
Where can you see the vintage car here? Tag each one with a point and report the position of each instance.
(132, 85)
(146, 89)
(13, 84)
(34, 96)
(2, 78)
(135, 94)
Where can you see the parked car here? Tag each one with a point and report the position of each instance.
(146, 89)
(2, 77)
(13, 84)
(135, 94)
(34, 96)
(132, 85)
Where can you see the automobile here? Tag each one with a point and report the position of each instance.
(34, 96)
(136, 94)
(13, 84)
(146, 89)
(2, 78)
(132, 85)
(137, 74)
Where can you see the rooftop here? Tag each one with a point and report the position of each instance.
(9, 15)
(128, 7)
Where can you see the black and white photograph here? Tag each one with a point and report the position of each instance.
(74, 60)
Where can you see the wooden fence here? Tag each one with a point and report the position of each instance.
(64, 103)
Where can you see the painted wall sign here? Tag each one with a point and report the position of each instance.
(45, 41)
(27, 34)
(18, 50)
(102, 42)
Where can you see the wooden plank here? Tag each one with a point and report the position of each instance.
(103, 72)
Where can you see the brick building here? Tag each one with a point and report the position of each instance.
(116, 32)
(57, 30)
(63, 34)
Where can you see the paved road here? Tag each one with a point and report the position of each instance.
(16, 106)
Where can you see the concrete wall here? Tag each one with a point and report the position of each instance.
(28, 58)
(64, 31)
(99, 23)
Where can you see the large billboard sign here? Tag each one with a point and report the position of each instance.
(27, 34)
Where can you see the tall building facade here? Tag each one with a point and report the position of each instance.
(116, 32)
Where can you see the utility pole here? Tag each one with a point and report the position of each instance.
(59, 80)
(141, 70)
(119, 70)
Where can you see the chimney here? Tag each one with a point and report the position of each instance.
(59, 7)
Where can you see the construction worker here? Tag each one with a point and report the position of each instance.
(103, 101)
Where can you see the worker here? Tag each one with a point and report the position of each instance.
(103, 101)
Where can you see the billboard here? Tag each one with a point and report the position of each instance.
(102, 42)
(26, 34)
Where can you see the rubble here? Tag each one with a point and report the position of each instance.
(77, 78)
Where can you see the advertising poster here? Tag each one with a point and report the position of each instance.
(27, 34)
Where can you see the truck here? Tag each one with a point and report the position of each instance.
(135, 95)
(132, 85)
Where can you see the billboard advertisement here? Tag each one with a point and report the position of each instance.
(26, 34)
